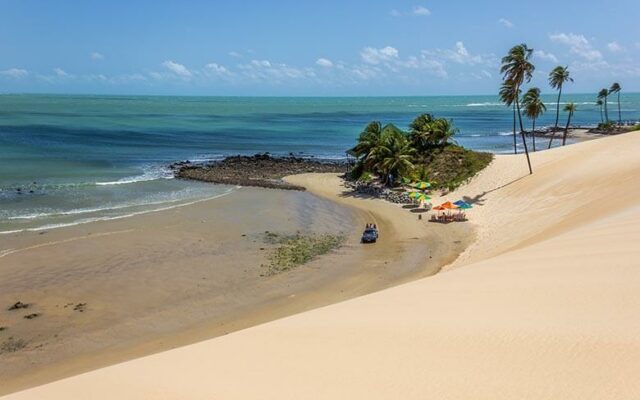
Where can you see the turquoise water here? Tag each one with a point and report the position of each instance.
(81, 158)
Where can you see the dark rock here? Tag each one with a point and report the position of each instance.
(262, 170)
(19, 305)
(32, 316)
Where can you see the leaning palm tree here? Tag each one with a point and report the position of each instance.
(509, 93)
(570, 108)
(615, 88)
(602, 95)
(369, 139)
(557, 78)
(533, 108)
(600, 104)
(420, 131)
(516, 67)
(394, 156)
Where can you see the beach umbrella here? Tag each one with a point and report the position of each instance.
(413, 195)
(448, 205)
(422, 185)
(463, 205)
(422, 197)
(438, 208)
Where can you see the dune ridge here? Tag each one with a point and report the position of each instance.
(544, 305)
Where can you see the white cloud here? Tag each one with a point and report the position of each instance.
(177, 69)
(266, 71)
(156, 75)
(375, 56)
(417, 11)
(506, 22)
(324, 62)
(483, 74)
(235, 54)
(615, 47)
(96, 56)
(545, 56)
(61, 73)
(459, 54)
(421, 11)
(578, 44)
(218, 69)
(15, 72)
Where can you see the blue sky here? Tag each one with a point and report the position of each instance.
(303, 47)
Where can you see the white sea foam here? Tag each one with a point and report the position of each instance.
(149, 174)
(111, 218)
(486, 104)
(89, 210)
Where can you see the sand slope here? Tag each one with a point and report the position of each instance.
(546, 307)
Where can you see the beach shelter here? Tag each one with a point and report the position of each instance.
(448, 206)
(463, 205)
(422, 185)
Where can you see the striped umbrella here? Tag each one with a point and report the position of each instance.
(422, 185)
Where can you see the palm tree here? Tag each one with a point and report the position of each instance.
(600, 103)
(369, 139)
(393, 157)
(615, 88)
(603, 96)
(516, 67)
(509, 93)
(420, 131)
(557, 77)
(570, 108)
(533, 108)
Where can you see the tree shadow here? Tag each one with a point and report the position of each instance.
(479, 199)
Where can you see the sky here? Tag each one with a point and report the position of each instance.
(310, 48)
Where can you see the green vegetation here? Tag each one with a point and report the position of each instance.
(609, 126)
(600, 104)
(616, 89)
(12, 345)
(533, 108)
(557, 78)
(602, 95)
(298, 249)
(426, 152)
(516, 69)
(571, 109)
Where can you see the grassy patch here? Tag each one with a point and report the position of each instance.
(12, 345)
(298, 249)
(450, 166)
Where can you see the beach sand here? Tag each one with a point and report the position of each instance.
(114, 290)
(544, 305)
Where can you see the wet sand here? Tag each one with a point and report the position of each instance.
(110, 291)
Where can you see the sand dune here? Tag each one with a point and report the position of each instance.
(544, 305)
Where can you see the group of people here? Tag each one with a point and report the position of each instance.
(371, 226)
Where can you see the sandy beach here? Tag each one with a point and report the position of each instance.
(543, 305)
(110, 291)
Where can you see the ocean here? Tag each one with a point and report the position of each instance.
(68, 159)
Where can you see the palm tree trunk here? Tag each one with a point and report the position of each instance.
(519, 114)
(526, 151)
(515, 146)
(601, 115)
(558, 107)
(619, 113)
(566, 130)
(533, 134)
(606, 110)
